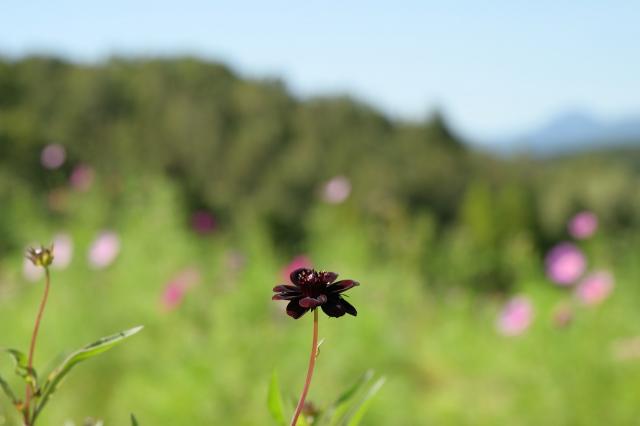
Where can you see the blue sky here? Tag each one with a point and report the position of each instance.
(494, 67)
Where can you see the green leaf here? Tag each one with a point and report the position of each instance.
(348, 394)
(363, 406)
(21, 366)
(8, 391)
(55, 378)
(134, 422)
(341, 406)
(20, 361)
(274, 400)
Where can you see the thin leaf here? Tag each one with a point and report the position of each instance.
(345, 400)
(274, 400)
(134, 421)
(21, 366)
(55, 378)
(350, 392)
(366, 401)
(20, 360)
(8, 391)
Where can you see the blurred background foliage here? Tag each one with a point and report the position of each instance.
(431, 228)
(239, 147)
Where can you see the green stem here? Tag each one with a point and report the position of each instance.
(30, 389)
(312, 363)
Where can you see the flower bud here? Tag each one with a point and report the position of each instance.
(42, 256)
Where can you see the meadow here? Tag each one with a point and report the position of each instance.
(178, 195)
(209, 360)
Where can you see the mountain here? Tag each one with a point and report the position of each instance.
(573, 132)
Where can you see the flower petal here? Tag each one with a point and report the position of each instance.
(348, 307)
(310, 302)
(286, 296)
(327, 277)
(337, 307)
(294, 310)
(285, 288)
(333, 308)
(342, 286)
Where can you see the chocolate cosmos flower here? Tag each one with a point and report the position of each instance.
(313, 288)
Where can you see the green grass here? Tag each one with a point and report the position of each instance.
(211, 360)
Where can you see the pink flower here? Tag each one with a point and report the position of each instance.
(104, 250)
(53, 156)
(300, 261)
(336, 190)
(175, 290)
(203, 222)
(516, 316)
(81, 178)
(31, 272)
(565, 264)
(594, 288)
(583, 225)
(62, 251)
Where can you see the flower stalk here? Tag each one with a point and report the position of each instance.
(312, 364)
(42, 257)
(34, 336)
(308, 291)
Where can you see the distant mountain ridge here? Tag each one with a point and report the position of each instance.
(573, 132)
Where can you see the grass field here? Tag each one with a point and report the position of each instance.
(209, 361)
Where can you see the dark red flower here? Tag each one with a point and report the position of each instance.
(311, 288)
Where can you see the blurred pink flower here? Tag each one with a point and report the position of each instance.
(62, 251)
(53, 156)
(175, 290)
(583, 225)
(104, 250)
(203, 222)
(565, 263)
(595, 287)
(300, 261)
(82, 177)
(31, 272)
(336, 190)
(516, 316)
